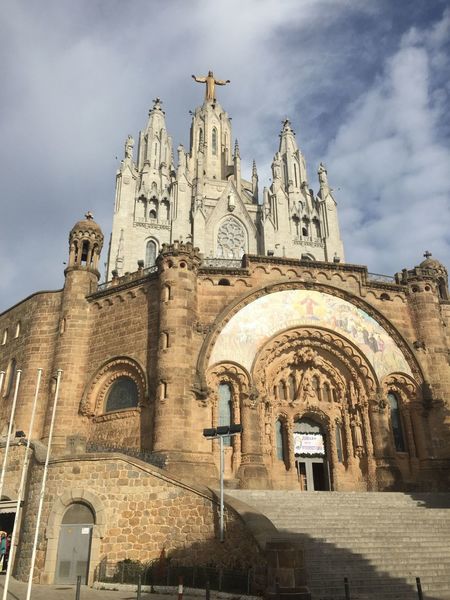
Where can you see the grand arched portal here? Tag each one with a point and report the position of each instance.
(306, 359)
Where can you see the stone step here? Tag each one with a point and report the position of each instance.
(380, 541)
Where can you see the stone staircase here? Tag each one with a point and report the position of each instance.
(380, 541)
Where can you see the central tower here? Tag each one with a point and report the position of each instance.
(203, 199)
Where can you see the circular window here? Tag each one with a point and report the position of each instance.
(122, 394)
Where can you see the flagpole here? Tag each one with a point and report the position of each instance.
(17, 519)
(44, 481)
(10, 426)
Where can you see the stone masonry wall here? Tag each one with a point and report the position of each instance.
(139, 512)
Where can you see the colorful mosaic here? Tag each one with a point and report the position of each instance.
(260, 320)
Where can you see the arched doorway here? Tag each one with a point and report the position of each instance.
(74, 546)
(311, 456)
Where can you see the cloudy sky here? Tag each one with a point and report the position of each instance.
(365, 83)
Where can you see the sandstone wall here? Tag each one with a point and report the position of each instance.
(139, 512)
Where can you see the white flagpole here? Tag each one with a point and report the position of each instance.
(17, 519)
(44, 481)
(10, 426)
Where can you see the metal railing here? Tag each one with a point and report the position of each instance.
(381, 278)
(157, 574)
(222, 263)
(126, 278)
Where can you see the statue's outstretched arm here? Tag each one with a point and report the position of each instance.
(221, 81)
(199, 79)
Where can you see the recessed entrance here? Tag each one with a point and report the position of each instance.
(74, 547)
(310, 456)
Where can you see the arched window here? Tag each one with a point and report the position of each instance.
(225, 409)
(326, 392)
(280, 439)
(231, 239)
(150, 253)
(200, 138)
(305, 228)
(166, 293)
(5, 336)
(296, 221)
(442, 289)
(316, 386)
(316, 227)
(295, 175)
(396, 423)
(122, 394)
(17, 332)
(165, 210)
(84, 252)
(282, 390)
(214, 141)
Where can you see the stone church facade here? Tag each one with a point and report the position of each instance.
(221, 307)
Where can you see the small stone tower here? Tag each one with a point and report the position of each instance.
(72, 342)
(179, 416)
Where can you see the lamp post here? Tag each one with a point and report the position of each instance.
(221, 432)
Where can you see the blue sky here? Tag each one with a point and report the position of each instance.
(365, 83)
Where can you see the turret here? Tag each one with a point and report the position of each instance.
(72, 343)
(85, 245)
(176, 409)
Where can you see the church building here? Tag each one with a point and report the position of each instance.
(224, 303)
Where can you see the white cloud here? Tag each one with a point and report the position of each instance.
(390, 163)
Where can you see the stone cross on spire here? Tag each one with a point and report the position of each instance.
(427, 254)
(211, 82)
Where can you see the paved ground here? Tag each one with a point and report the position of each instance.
(18, 589)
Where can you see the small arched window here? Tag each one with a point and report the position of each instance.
(396, 423)
(5, 336)
(305, 228)
(282, 390)
(200, 138)
(224, 282)
(295, 175)
(316, 227)
(326, 392)
(214, 141)
(442, 289)
(166, 293)
(150, 253)
(315, 385)
(165, 210)
(84, 252)
(122, 394)
(225, 409)
(17, 332)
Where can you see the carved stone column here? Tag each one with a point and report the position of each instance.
(333, 463)
(348, 440)
(371, 463)
(252, 472)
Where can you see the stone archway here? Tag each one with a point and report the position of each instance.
(54, 524)
(316, 374)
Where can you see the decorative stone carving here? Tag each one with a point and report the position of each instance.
(231, 239)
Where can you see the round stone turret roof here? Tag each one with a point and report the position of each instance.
(87, 224)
